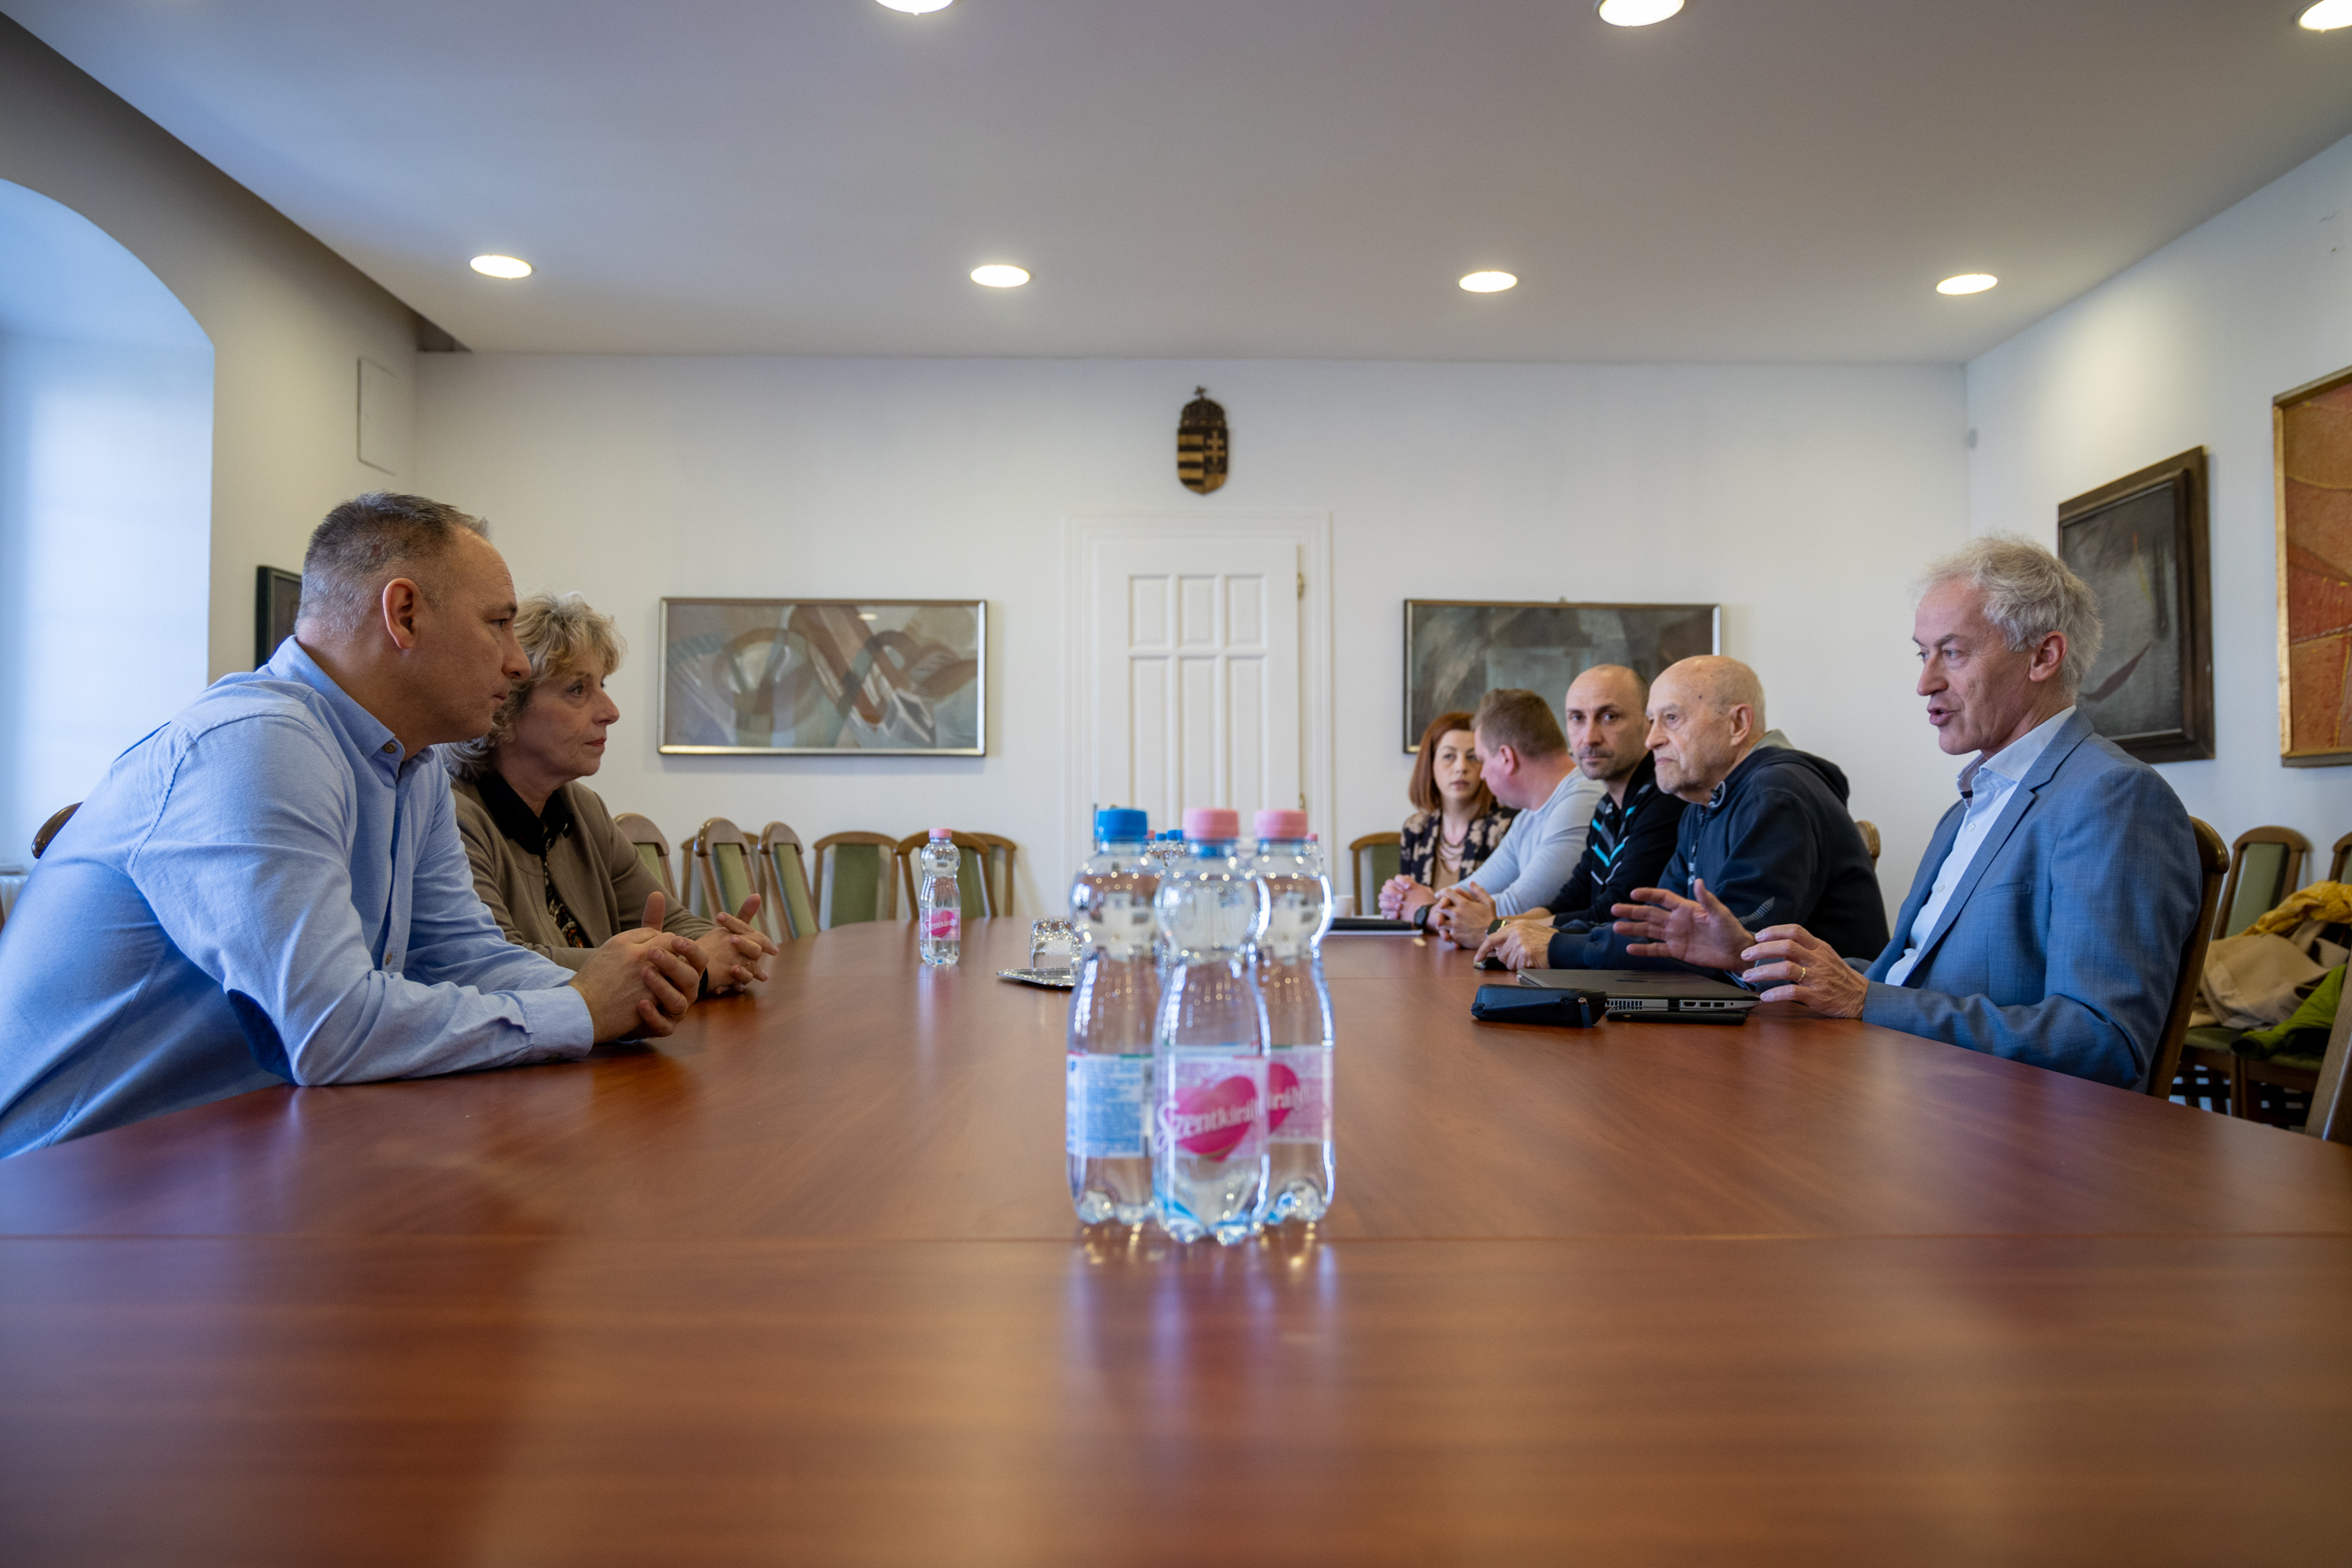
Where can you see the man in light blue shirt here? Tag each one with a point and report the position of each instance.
(1525, 759)
(270, 888)
(2052, 910)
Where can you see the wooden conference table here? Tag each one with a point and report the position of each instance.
(801, 1284)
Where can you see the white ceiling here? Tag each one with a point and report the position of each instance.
(1754, 180)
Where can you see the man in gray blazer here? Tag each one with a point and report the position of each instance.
(2048, 918)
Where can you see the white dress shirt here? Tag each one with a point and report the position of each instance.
(1986, 784)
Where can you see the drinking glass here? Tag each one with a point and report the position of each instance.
(1051, 944)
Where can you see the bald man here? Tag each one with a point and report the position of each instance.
(1767, 831)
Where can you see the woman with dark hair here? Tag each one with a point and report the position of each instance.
(1456, 820)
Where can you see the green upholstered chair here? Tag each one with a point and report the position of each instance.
(2265, 865)
(983, 871)
(726, 872)
(1376, 858)
(785, 904)
(857, 878)
(652, 848)
(2194, 1073)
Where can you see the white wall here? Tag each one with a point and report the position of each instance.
(1801, 499)
(2187, 348)
(288, 321)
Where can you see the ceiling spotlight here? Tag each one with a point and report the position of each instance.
(916, 7)
(1489, 282)
(2328, 16)
(996, 275)
(501, 267)
(1642, 13)
(1967, 282)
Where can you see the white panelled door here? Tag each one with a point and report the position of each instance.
(1190, 687)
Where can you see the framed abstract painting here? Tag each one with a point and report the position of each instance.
(2312, 436)
(2141, 544)
(824, 677)
(1457, 650)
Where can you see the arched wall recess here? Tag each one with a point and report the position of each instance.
(105, 484)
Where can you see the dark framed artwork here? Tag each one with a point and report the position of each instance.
(1457, 650)
(2141, 544)
(827, 677)
(277, 595)
(2312, 439)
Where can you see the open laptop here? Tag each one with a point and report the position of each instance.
(1666, 996)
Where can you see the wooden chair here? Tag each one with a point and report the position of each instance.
(857, 878)
(2171, 1073)
(652, 848)
(1379, 854)
(2331, 1116)
(1870, 839)
(785, 900)
(2265, 865)
(2343, 857)
(48, 830)
(724, 871)
(980, 891)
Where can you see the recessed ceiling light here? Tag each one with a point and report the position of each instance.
(1967, 282)
(1637, 13)
(2328, 16)
(1489, 282)
(997, 274)
(916, 7)
(501, 267)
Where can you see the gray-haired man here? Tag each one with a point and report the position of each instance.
(2048, 918)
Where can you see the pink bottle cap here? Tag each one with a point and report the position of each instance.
(1273, 823)
(943, 832)
(1211, 824)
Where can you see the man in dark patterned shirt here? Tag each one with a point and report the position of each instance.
(1633, 831)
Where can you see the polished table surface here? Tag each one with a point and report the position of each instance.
(801, 1284)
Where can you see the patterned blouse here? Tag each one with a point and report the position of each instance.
(1416, 854)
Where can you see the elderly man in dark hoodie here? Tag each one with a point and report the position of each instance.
(1767, 832)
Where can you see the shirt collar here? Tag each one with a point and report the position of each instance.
(515, 819)
(292, 662)
(2013, 761)
(1642, 783)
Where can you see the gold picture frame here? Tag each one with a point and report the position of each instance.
(2311, 430)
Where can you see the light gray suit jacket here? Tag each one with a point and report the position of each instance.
(2062, 941)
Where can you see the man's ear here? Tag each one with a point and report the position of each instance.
(2049, 658)
(401, 601)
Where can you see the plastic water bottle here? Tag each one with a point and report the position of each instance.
(1165, 851)
(939, 915)
(1107, 1078)
(1208, 1148)
(1298, 1019)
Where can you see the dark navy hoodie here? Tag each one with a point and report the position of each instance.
(1776, 844)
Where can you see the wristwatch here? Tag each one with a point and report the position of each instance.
(1421, 916)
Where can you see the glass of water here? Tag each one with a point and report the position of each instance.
(1053, 945)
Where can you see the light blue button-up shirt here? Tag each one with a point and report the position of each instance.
(1986, 784)
(263, 890)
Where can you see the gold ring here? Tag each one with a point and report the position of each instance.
(1802, 973)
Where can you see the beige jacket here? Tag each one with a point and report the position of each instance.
(594, 870)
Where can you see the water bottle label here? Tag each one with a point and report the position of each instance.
(945, 923)
(1104, 1101)
(1213, 1107)
(1298, 1094)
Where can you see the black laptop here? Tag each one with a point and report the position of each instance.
(1666, 995)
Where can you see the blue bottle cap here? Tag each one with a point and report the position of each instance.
(1121, 825)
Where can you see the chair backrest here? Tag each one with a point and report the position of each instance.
(725, 872)
(2331, 1116)
(48, 830)
(2215, 860)
(1870, 839)
(786, 905)
(652, 848)
(1373, 859)
(857, 878)
(977, 886)
(2343, 858)
(2265, 865)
